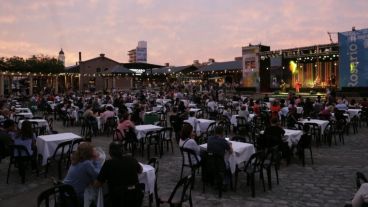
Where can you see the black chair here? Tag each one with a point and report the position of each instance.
(305, 142)
(166, 137)
(213, 171)
(340, 129)
(209, 132)
(355, 124)
(359, 179)
(184, 186)
(110, 125)
(329, 133)
(73, 147)
(253, 166)
(154, 162)
(131, 141)
(20, 157)
(272, 159)
(60, 156)
(60, 195)
(117, 136)
(315, 132)
(189, 160)
(226, 125)
(153, 138)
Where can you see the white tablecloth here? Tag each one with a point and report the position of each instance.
(129, 105)
(26, 114)
(23, 110)
(292, 136)
(234, 122)
(40, 122)
(46, 144)
(321, 123)
(241, 153)
(148, 177)
(163, 101)
(354, 112)
(203, 124)
(299, 110)
(192, 105)
(141, 130)
(157, 108)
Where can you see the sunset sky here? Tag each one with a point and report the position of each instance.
(177, 32)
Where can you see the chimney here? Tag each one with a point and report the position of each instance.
(211, 60)
(167, 64)
(195, 62)
(102, 55)
(80, 56)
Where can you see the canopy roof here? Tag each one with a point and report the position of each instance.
(221, 66)
(120, 69)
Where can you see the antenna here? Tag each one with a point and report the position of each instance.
(330, 36)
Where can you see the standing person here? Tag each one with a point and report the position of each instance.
(121, 174)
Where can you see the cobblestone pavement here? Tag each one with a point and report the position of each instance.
(329, 182)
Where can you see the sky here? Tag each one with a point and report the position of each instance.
(177, 31)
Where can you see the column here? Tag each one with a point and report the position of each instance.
(10, 85)
(56, 86)
(80, 83)
(30, 85)
(71, 82)
(1, 85)
(113, 82)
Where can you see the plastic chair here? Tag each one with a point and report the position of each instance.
(154, 162)
(61, 154)
(305, 142)
(191, 161)
(186, 185)
(253, 166)
(61, 195)
(20, 157)
(213, 171)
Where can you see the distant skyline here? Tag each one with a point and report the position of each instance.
(176, 31)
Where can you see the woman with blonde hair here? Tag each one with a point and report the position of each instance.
(84, 168)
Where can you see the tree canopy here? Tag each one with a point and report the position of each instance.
(34, 64)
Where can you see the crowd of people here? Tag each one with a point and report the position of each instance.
(130, 107)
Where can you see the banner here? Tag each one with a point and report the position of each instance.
(353, 59)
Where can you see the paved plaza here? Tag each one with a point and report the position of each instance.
(329, 182)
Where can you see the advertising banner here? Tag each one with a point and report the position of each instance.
(353, 58)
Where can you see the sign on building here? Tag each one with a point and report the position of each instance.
(353, 59)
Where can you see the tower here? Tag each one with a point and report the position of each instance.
(61, 56)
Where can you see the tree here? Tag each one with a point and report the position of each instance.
(34, 64)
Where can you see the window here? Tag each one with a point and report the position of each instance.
(98, 70)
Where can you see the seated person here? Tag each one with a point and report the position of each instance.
(121, 174)
(84, 169)
(291, 118)
(326, 113)
(243, 112)
(218, 146)
(361, 196)
(125, 123)
(107, 114)
(192, 120)
(7, 134)
(273, 134)
(341, 106)
(26, 137)
(187, 141)
(275, 108)
(257, 108)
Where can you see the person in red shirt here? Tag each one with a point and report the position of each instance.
(275, 108)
